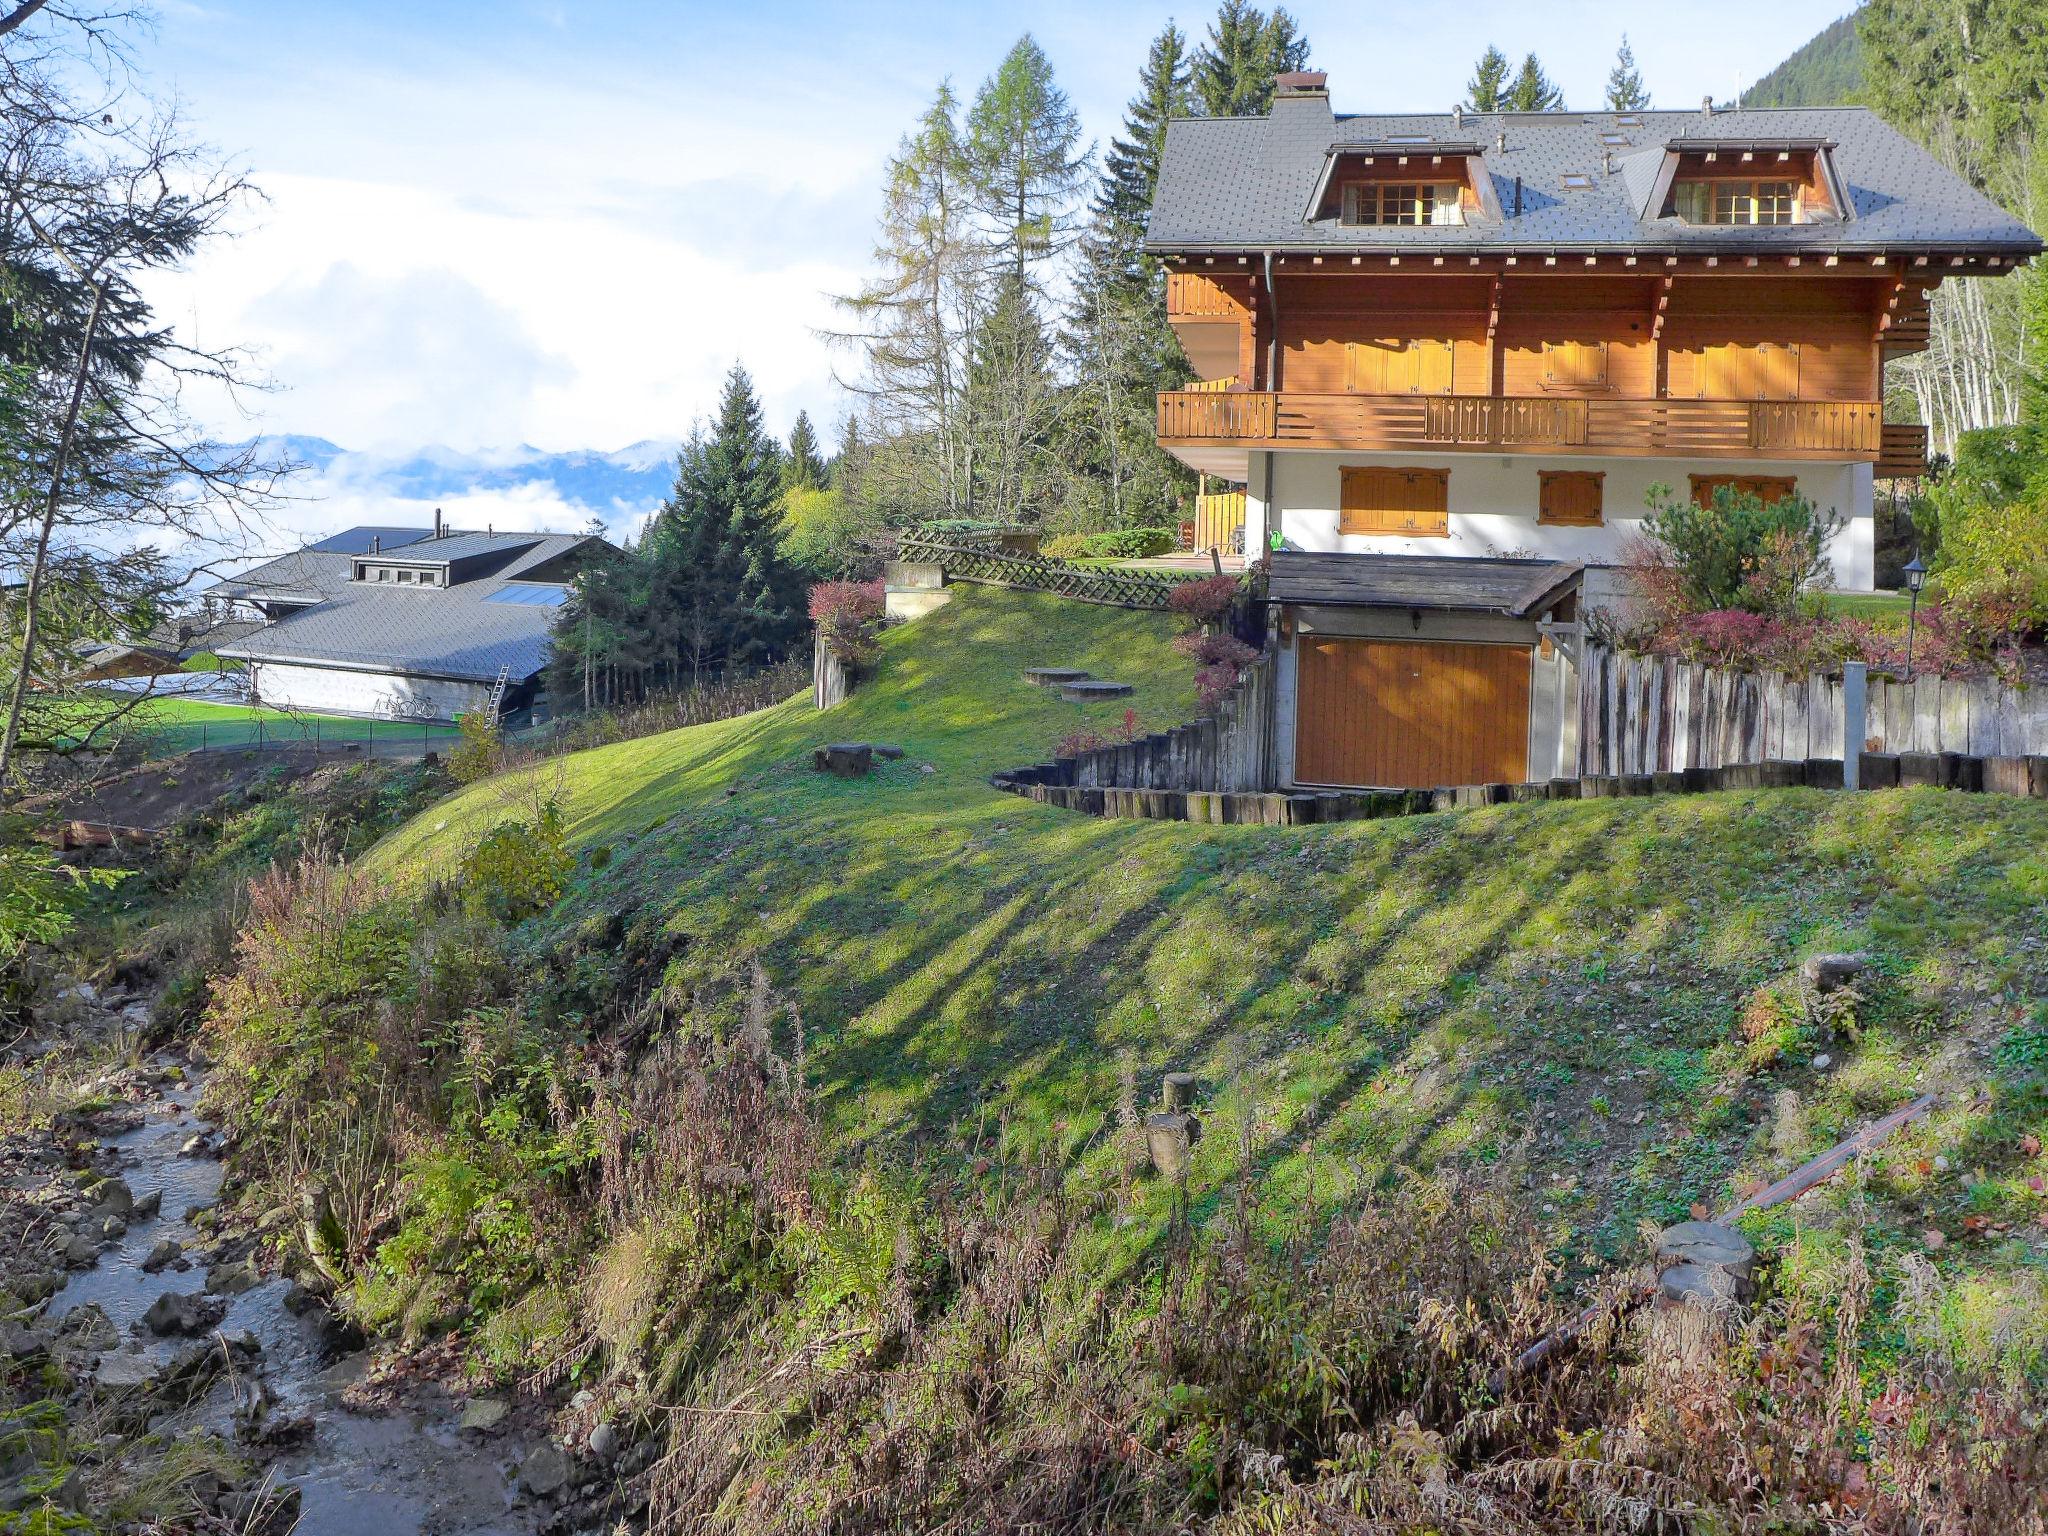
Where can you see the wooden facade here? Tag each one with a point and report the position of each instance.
(1657, 357)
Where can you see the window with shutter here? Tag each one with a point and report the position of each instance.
(1396, 366)
(1769, 371)
(1575, 365)
(1765, 488)
(1413, 502)
(1570, 498)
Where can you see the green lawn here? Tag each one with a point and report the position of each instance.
(175, 724)
(1885, 609)
(1600, 988)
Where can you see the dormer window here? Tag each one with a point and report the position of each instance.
(1737, 202)
(1398, 202)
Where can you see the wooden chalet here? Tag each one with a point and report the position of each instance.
(1492, 335)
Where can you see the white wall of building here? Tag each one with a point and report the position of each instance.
(1493, 500)
(340, 691)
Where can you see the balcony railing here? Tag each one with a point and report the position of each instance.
(1192, 296)
(1791, 429)
(1904, 454)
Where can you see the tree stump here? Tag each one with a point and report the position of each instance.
(1095, 688)
(1703, 1264)
(845, 759)
(1177, 1091)
(1170, 1140)
(1053, 677)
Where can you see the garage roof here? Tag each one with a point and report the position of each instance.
(1521, 589)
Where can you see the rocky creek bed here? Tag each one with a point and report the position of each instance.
(151, 1344)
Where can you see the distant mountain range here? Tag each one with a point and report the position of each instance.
(614, 486)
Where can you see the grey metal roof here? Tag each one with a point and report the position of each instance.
(456, 546)
(452, 632)
(1518, 588)
(1242, 183)
(356, 541)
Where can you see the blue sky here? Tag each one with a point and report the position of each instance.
(559, 223)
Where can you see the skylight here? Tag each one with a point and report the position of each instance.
(1576, 181)
(530, 594)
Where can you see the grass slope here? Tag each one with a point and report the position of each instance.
(174, 724)
(1596, 992)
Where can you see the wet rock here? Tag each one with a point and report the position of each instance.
(175, 1313)
(232, 1279)
(162, 1256)
(103, 1225)
(484, 1413)
(125, 1372)
(148, 1206)
(277, 1434)
(545, 1472)
(604, 1443)
(23, 1345)
(81, 1252)
(194, 1146)
(112, 1196)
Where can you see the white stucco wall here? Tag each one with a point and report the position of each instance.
(337, 690)
(1493, 505)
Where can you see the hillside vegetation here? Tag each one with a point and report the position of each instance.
(697, 1057)
(1826, 72)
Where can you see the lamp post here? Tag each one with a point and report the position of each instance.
(1916, 578)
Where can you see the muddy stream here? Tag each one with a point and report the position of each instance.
(364, 1463)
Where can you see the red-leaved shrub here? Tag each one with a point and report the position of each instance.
(1203, 602)
(848, 614)
(1087, 739)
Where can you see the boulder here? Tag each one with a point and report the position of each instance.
(81, 1252)
(546, 1471)
(112, 1196)
(232, 1279)
(604, 1443)
(483, 1413)
(177, 1313)
(147, 1206)
(23, 1345)
(125, 1372)
(162, 1256)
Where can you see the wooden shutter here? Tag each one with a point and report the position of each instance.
(1769, 371)
(1780, 369)
(1415, 502)
(1432, 367)
(1570, 498)
(1393, 366)
(1575, 364)
(1765, 488)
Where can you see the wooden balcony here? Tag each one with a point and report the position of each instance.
(1194, 296)
(1749, 429)
(1903, 455)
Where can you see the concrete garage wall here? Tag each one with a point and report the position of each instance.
(1493, 505)
(1553, 679)
(337, 690)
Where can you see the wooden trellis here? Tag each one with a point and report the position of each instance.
(1035, 573)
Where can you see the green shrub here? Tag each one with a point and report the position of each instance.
(1734, 551)
(481, 752)
(520, 868)
(1115, 544)
(1994, 558)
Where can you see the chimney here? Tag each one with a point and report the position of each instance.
(437, 522)
(1607, 161)
(1500, 142)
(376, 543)
(1518, 197)
(1458, 115)
(490, 530)
(1301, 82)
(1707, 106)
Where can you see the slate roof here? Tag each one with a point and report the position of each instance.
(448, 632)
(1243, 184)
(1518, 588)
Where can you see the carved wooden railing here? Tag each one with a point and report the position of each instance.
(1116, 587)
(1849, 429)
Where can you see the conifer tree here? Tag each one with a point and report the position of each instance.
(1024, 147)
(1625, 92)
(803, 470)
(1233, 72)
(1487, 90)
(1533, 91)
(1130, 172)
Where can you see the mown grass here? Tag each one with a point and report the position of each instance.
(1597, 993)
(175, 724)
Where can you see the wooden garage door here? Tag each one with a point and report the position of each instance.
(1410, 714)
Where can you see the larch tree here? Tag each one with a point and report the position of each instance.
(1029, 166)
(1487, 90)
(1625, 89)
(1533, 90)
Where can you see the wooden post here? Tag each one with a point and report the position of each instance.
(1855, 694)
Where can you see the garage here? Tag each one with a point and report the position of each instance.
(1415, 672)
(1411, 714)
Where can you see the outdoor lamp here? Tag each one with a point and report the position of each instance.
(1916, 578)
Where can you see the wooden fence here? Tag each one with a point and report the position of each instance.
(831, 678)
(1034, 573)
(1654, 714)
(1230, 751)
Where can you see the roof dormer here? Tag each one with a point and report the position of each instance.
(1749, 183)
(1410, 180)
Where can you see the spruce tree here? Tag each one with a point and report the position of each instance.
(1233, 72)
(717, 566)
(803, 469)
(1625, 92)
(1533, 90)
(1130, 172)
(1486, 91)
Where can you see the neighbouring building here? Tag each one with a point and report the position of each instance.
(1490, 335)
(404, 623)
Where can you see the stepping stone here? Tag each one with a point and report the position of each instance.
(1096, 688)
(1052, 677)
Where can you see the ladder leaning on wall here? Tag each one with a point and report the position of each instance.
(498, 692)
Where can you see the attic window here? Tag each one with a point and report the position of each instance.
(1628, 122)
(1399, 202)
(1614, 139)
(1737, 202)
(1408, 138)
(1576, 181)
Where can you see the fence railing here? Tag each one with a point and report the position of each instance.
(1654, 714)
(1114, 586)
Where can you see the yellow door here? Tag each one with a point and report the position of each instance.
(1401, 714)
